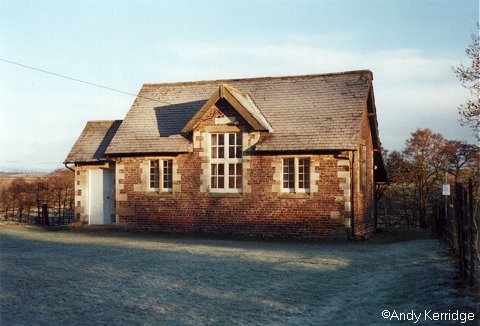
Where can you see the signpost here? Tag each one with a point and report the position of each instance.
(446, 193)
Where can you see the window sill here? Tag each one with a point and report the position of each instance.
(224, 194)
(291, 195)
(158, 194)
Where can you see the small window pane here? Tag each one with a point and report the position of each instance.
(232, 146)
(221, 139)
(214, 147)
(239, 176)
(231, 152)
(214, 174)
(221, 152)
(217, 176)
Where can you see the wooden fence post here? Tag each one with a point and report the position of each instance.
(460, 224)
(471, 224)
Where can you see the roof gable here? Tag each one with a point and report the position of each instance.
(240, 101)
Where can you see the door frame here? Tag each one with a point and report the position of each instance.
(101, 193)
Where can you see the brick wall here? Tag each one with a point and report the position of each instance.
(261, 210)
(363, 200)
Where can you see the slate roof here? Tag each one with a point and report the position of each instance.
(93, 141)
(311, 112)
(240, 101)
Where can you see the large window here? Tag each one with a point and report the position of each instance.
(226, 162)
(296, 175)
(161, 175)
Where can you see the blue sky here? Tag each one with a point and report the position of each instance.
(410, 46)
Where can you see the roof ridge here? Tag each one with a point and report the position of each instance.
(199, 82)
(115, 120)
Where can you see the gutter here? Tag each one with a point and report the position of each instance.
(68, 167)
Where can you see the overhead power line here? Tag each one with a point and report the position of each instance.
(79, 80)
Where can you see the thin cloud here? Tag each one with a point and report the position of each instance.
(412, 89)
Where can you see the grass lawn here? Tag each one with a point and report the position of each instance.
(108, 277)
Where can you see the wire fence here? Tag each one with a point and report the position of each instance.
(47, 216)
(458, 225)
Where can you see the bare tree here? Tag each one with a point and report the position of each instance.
(19, 188)
(40, 193)
(6, 200)
(425, 152)
(462, 157)
(464, 164)
(400, 190)
(469, 76)
(61, 181)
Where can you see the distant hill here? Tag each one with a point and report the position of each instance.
(25, 174)
(7, 177)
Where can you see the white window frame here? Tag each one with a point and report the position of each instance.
(150, 175)
(296, 175)
(225, 161)
(162, 175)
(161, 171)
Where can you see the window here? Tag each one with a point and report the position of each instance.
(304, 174)
(289, 174)
(296, 175)
(226, 162)
(154, 174)
(167, 176)
(161, 174)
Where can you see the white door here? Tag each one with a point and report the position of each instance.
(101, 205)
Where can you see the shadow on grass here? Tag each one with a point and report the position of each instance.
(102, 277)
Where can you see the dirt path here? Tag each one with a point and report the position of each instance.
(116, 278)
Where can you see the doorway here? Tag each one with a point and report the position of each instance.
(101, 209)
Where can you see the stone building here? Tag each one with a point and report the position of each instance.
(295, 156)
